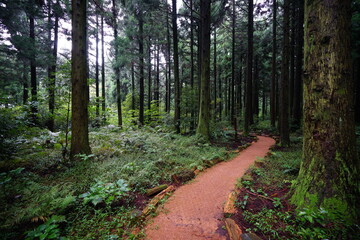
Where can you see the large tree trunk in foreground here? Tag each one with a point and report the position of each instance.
(329, 174)
(79, 98)
(204, 111)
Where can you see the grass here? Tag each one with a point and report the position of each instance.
(50, 186)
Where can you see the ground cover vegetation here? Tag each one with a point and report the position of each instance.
(264, 207)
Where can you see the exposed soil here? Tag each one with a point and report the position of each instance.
(195, 210)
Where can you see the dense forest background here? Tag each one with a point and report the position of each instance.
(138, 73)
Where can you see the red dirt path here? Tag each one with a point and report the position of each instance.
(195, 210)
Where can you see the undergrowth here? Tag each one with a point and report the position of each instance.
(264, 209)
(99, 196)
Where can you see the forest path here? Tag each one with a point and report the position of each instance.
(195, 210)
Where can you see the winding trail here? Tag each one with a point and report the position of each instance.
(195, 210)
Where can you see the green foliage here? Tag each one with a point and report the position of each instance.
(48, 230)
(105, 192)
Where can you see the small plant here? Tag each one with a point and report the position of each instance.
(105, 192)
(84, 157)
(243, 203)
(48, 230)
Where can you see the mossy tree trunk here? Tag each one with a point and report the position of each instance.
(79, 98)
(329, 174)
(204, 111)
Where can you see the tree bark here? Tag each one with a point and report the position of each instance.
(284, 90)
(79, 99)
(204, 111)
(329, 173)
(149, 76)
(232, 92)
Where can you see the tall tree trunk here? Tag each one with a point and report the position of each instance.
(192, 68)
(25, 85)
(204, 111)
(273, 70)
(149, 77)
(33, 78)
(329, 173)
(79, 99)
(168, 85)
(132, 88)
(141, 63)
(117, 67)
(97, 88)
(299, 64)
(52, 67)
(284, 87)
(233, 114)
(103, 96)
(157, 82)
(215, 76)
(255, 100)
(248, 105)
(292, 58)
(240, 79)
(220, 94)
(176, 69)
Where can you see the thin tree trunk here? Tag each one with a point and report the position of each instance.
(192, 68)
(33, 78)
(273, 70)
(79, 74)
(292, 58)
(141, 63)
(168, 85)
(157, 85)
(215, 76)
(149, 77)
(232, 87)
(176, 69)
(284, 90)
(255, 100)
(220, 94)
(297, 109)
(248, 107)
(132, 88)
(117, 67)
(25, 85)
(103, 96)
(97, 88)
(52, 68)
